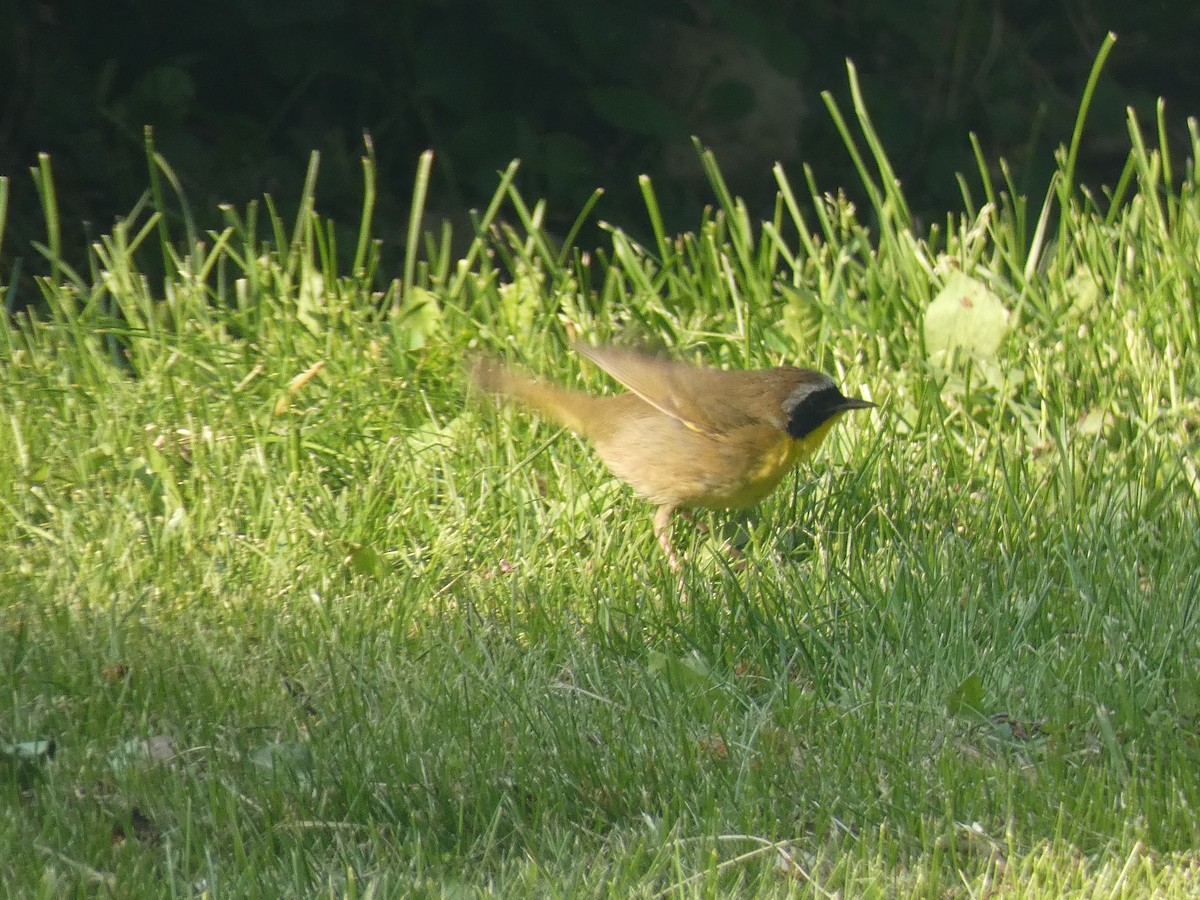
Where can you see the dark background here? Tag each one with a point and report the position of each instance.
(586, 94)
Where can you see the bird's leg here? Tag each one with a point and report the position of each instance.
(662, 531)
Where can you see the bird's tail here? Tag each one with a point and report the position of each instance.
(567, 407)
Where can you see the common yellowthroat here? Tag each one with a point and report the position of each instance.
(687, 436)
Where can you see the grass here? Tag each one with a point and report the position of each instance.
(285, 615)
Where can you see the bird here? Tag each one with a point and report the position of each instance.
(685, 436)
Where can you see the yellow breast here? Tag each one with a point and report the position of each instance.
(772, 463)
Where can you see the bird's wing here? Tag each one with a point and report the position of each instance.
(692, 395)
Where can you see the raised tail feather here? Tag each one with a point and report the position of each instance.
(569, 408)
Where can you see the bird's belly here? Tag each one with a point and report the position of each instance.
(749, 476)
(672, 465)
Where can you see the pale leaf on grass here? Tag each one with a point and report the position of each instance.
(1080, 293)
(965, 315)
(431, 440)
(287, 756)
(418, 320)
(141, 753)
(967, 698)
(690, 675)
(1094, 421)
(583, 509)
(30, 751)
(689, 671)
(23, 762)
(365, 560)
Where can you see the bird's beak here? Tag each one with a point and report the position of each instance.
(855, 403)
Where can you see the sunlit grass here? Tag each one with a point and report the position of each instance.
(298, 618)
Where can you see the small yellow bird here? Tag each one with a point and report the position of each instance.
(687, 436)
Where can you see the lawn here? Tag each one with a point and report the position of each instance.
(285, 612)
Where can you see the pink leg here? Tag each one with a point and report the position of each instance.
(662, 531)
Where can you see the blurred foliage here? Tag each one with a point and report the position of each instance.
(587, 95)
